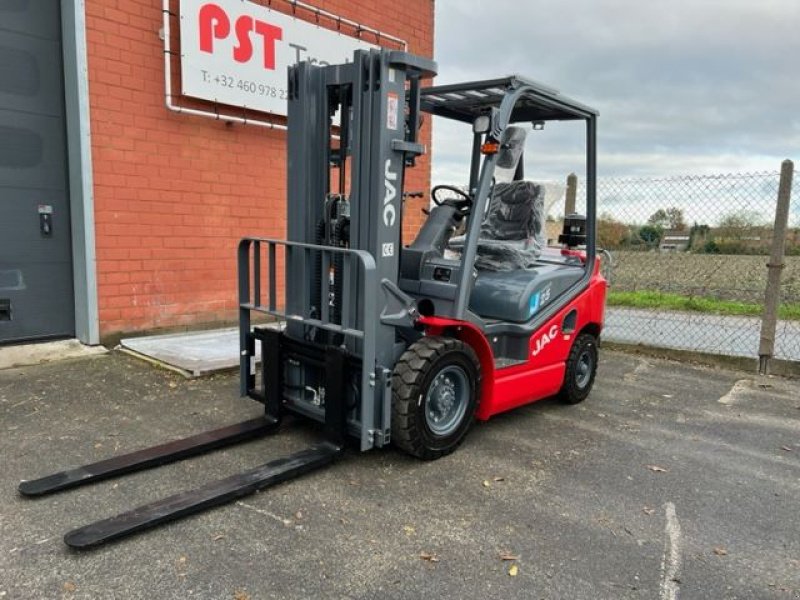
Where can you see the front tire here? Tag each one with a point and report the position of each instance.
(581, 370)
(435, 387)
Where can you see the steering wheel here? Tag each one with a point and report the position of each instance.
(463, 204)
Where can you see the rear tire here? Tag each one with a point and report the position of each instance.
(435, 387)
(581, 370)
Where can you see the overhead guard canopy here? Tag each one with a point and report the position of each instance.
(538, 102)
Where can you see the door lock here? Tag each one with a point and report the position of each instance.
(46, 220)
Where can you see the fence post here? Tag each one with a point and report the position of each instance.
(766, 347)
(572, 191)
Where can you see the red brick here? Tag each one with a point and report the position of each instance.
(174, 193)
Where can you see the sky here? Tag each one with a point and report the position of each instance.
(683, 87)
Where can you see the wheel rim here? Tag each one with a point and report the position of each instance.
(583, 372)
(447, 400)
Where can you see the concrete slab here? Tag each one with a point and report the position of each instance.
(195, 353)
(45, 352)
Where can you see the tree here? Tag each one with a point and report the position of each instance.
(740, 232)
(739, 223)
(650, 235)
(611, 233)
(670, 218)
(699, 234)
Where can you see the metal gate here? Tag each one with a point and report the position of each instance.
(36, 293)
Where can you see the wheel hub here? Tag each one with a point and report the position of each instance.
(583, 372)
(446, 400)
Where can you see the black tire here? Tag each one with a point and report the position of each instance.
(451, 366)
(581, 370)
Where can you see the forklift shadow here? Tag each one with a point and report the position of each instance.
(519, 419)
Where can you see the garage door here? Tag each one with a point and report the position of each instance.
(36, 296)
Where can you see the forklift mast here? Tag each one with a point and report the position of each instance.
(369, 96)
(352, 133)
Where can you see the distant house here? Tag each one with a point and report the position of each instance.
(674, 240)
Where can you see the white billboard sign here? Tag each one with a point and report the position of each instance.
(237, 52)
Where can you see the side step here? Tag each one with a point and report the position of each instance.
(149, 457)
(212, 494)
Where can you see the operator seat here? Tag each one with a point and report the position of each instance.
(510, 284)
(511, 234)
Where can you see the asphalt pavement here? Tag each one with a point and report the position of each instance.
(670, 481)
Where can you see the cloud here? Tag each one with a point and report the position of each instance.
(682, 86)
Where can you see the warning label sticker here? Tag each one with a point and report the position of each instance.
(392, 108)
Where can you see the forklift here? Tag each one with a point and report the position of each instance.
(384, 344)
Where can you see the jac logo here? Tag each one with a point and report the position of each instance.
(389, 213)
(547, 337)
(216, 25)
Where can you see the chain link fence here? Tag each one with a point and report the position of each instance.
(690, 261)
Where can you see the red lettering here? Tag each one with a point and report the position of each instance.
(214, 23)
(244, 49)
(270, 34)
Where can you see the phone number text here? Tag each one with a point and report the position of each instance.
(244, 85)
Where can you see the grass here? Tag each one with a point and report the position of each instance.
(665, 301)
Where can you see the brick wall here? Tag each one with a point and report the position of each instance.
(174, 193)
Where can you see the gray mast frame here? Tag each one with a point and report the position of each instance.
(378, 152)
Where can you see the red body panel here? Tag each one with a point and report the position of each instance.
(543, 373)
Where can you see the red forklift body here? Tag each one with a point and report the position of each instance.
(542, 374)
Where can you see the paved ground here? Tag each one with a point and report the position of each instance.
(699, 332)
(670, 481)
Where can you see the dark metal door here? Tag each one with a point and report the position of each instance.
(36, 296)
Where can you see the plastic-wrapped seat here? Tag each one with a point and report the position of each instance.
(512, 231)
(511, 235)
